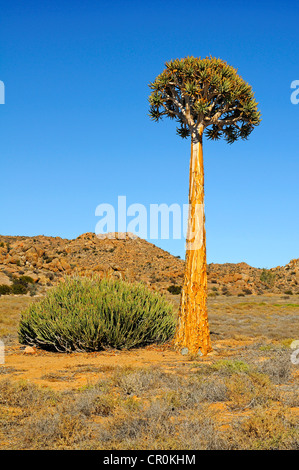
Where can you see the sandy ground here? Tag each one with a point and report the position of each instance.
(61, 371)
(234, 321)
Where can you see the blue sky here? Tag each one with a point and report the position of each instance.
(75, 131)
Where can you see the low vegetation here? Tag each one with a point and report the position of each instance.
(20, 285)
(175, 290)
(243, 396)
(148, 408)
(92, 314)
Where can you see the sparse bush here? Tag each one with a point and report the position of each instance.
(4, 289)
(227, 293)
(175, 290)
(277, 368)
(20, 285)
(247, 291)
(133, 382)
(267, 277)
(25, 280)
(18, 288)
(227, 367)
(266, 429)
(93, 314)
(249, 390)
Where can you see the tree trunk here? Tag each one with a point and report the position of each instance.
(192, 335)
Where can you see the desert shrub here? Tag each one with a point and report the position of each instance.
(278, 367)
(25, 280)
(228, 367)
(23, 395)
(20, 285)
(93, 314)
(247, 291)
(18, 288)
(267, 277)
(225, 291)
(134, 382)
(266, 429)
(210, 390)
(32, 289)
(175, 290)
(249, 390)
(4, 289)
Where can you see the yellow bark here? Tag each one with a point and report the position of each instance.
(192, 335)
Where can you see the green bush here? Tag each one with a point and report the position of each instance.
(84, 314)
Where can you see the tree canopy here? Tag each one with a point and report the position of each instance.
(204, 93)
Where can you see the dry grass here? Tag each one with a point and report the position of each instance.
(11, 307)
(125, 412)
(245, 396)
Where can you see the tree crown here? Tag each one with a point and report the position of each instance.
(205, 94)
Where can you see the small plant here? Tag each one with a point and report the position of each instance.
(4, 289)
(288, 292)
(247, 291)
(18, 288)
(230, 366)
(25, 280)
(46, 258)
(267, 277)
(20, 285)
(175, 290)
(93, 314)
(227, 293)
(267, 429)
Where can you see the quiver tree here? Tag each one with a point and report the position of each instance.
(204, 96)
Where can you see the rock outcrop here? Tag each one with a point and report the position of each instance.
(46, 260)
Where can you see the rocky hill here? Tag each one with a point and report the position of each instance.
(45, 260)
